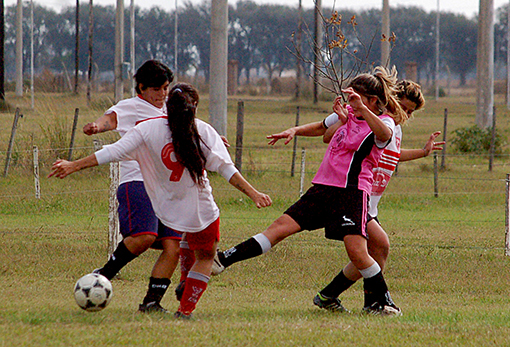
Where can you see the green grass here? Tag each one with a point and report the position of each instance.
(447, 269)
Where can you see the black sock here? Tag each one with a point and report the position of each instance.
(157, 288)
(245, 250)
(117, 261)
(375, 289)
(339, 284)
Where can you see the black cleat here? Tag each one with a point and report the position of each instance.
(330, 304)
(152, 307)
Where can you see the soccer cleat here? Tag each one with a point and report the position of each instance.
(180, 315)
(378, 309)
(217, 267)
(179, 290)
(152, 307)
(330, 304)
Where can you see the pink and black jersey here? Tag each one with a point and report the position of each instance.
(352, 154)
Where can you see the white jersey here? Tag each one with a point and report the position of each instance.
(129, 113)
(385, 167)
(177, 201)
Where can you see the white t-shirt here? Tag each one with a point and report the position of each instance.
(177, 201)
(385, 168)
(129, 113)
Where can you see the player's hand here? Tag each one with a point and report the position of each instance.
(431, 145)
(225, 141)
(90, 128)
(288, 135)
(262, 200)
(61, 168)
(354, 100)
(340, 109)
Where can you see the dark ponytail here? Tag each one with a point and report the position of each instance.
(181, 107)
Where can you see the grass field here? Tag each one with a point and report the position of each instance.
(447, 269)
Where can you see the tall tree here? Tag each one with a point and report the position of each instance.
(459, 35)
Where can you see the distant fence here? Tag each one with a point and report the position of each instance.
(272, 167)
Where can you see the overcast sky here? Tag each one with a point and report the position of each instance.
(466, 7)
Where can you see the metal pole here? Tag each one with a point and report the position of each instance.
(298, 43)
(218, 66)
(132, 58)
(437, 52)
(176, 38)
(2, 52)
(19, 48)
(77, 48)
(508, 57)
(317, 49)
(385, 30)
(32, 53)
(119, 51)
(485, 65)
(89, 70)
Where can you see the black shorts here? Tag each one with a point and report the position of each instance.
(340, 211)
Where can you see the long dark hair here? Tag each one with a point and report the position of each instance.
(181, 107)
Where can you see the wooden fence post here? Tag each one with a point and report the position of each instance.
(493, 140)
(302, 182)
(73, 133)
(507, 211)
(36, 173)
(17, 116)
(436, 194)
(295, 147)
(445, 126)
(114, 236)
(240, 134)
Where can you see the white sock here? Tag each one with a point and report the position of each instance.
(370, 271)
(263, 241)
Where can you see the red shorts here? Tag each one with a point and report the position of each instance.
(205, 239)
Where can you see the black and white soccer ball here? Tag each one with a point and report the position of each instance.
(93, 292)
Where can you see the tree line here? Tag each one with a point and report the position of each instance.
(261, 38)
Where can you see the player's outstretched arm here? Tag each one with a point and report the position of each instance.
(310, 129)
(62, 168)
(104, 123)
(430, 146)
(260, 199)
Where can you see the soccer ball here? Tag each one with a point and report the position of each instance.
(93, 292)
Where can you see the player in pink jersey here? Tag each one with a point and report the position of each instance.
(411, 99)
(338, 199)
(174, 152)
